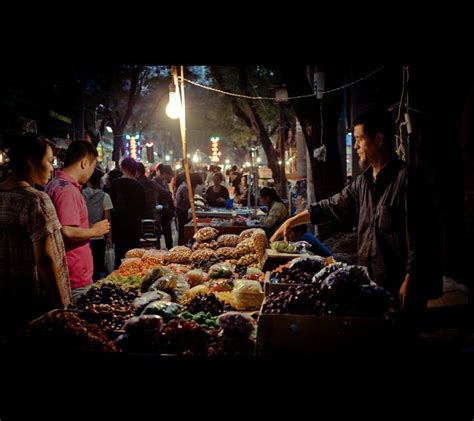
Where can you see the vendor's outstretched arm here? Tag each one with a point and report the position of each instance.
(282, 231)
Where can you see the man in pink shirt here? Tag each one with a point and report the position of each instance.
(65, 192)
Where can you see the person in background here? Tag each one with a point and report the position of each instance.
(112, 176)
(277, 211)
(65, 192)
(182, 205)
(216, 195)
(165, 199)
(34, 276)
(392, 206)
(151, 191)
(300, 233)
(128, 198)
(99, 206)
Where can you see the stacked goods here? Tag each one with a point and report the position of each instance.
(206, 234)
(183, 337)
(228, 253)
(246, 234)
(106, 293)
(203, 254)
(142, 334)
(347, 291)
(135, 253)
(196, 277)
(179, 254)
(205, 320)
(235, 338)
(141, 302)
(210, 245)
(155, 257)
(60, 331)
(228, 240)
(300, 270)
(208, 304)
(247, 294)
(109, 318)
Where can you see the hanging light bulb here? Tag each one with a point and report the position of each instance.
(173, 108)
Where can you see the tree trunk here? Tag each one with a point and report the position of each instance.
(248, 113)
(327, 176)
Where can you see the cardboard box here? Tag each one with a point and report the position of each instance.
(292, 334)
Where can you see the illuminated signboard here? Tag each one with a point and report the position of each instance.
(133, 146)
(215, 154)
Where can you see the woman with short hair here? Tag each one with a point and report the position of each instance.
(34, 275)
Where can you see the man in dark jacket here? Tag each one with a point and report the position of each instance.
(165, 199)
(391, 205)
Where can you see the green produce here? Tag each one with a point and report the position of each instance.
(282, 247)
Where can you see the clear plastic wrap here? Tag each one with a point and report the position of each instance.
(228, 240)
(203, 254)
(205, 234)
(236, 323)
(179, 254)
(308, 263)
(139, 324)
(245, 234)
(326, 271)
(221, 270)
(141, 302)
(165, 309)
(196, 277)
(137, 252)
(247, 294)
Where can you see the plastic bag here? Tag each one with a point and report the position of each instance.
(326, 271)
(205, 234)
(165, 283)
(247, 295)
(165, 309)
(109, 259)
(139, 324)
(181, 288)
(152, 276)
(179, 254)
(308, 263)
(220, 285)
(221, 270)
(195, 277)
(236, 323)
(139, 303)
(135, 253)
(228, 240)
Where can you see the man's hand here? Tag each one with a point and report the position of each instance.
(101, 228)
(404, 290)
(282, 231)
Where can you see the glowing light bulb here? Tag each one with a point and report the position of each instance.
(173, 109)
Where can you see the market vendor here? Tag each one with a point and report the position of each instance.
(392, 207)
(277, 211)
(217, 194)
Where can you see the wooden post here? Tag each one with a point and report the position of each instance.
(182, 124)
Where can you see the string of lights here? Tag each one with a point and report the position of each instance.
(267, 98)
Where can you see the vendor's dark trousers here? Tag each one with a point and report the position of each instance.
(98, 254)
(166, 231)
(183, 219)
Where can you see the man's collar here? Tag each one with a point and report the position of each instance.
(68, 177)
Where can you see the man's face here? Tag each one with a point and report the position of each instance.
(366, 147)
